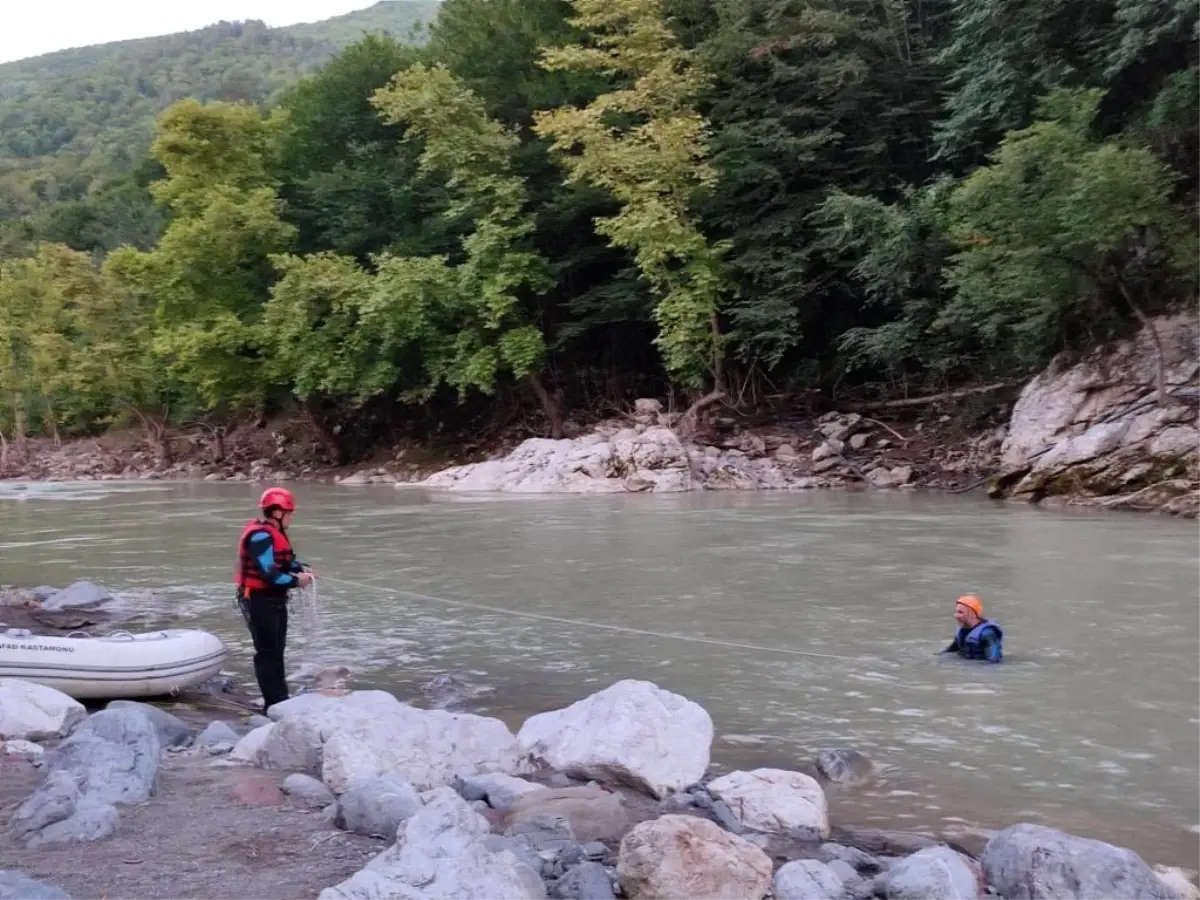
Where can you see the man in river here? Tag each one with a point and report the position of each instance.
(977, 637)
(267, 569)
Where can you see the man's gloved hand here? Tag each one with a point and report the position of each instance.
(304, 579)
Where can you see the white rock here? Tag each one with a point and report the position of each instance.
(34, 712)
(297, 743)
(427, 747)
(1178, 881)
(775, 800)
(80, 595)
(247, 750)
(679, 856)
(441, 854)
(632, 731)
(935, 873)
(21, 749)
(806, 879)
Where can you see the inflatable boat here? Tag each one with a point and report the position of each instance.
(111, 666)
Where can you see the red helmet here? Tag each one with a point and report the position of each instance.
(277, 497)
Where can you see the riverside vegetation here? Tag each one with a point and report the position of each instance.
(548, 209)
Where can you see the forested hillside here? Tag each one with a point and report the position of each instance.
(73, 121)
(557, 205)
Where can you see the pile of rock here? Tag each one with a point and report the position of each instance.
(470, 809)
(619, 457)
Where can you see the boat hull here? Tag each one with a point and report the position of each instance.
(120, 665)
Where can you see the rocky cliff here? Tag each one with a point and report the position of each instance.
(1098, 431)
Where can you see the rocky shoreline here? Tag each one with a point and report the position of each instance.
(365, 796)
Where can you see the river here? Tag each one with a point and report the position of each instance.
(800, 621)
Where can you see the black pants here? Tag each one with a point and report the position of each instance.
(267, 619)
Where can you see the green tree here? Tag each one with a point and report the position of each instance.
(1062, 237)
(645, 142)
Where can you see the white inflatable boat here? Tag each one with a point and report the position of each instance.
(117, 665)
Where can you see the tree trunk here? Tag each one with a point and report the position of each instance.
(19, 428)
(52, 421)
(3, 454)
(689, 422)
(932, 398)
(218, 444)
(551, 405)
(1160, 362)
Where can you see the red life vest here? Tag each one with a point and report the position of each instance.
(247, 576)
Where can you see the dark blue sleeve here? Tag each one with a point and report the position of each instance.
(992, 650)
(262, 551)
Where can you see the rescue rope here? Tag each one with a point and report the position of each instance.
(580, 623)
(308, 599)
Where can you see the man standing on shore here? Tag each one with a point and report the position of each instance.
(977, 637)
(267, 569)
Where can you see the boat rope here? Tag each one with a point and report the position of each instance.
(580, 623)
(308, 599)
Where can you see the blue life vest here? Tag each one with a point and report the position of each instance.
(970, 644)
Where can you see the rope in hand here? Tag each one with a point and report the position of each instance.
(309, 603)
(579, 623)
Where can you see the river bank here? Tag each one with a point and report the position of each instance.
(345, 795)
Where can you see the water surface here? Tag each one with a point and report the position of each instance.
(800, 621)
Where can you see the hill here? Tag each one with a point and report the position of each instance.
(75, 116)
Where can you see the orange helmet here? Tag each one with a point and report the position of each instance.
(971, 602)
(277, 496)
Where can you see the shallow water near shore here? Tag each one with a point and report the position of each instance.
(800, 621)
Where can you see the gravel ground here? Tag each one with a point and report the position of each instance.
(209, 832)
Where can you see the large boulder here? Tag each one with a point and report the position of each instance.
(172, 731)
(80, 595)
(775, 801)
(685, 856)
(935, 873)
(498, 790)
(16, 885)
(111, 759)
(443, 852)
(591, 813)
(1032, 862)
(34, 712)
(632, 732)
(367, 734)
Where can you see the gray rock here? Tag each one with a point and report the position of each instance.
(498, 843)
(855, 858)
(1029, 862)
(16, 885)
(218, 733)
(806, 879)
(843, 870)
(43, 592)
(80, 595)
(257, 721)
(935, 873)
(594, 850)
(306, 791)
(586, 881)
(725, 817)
(91, 821)
(111, 758)
(377, 806)
(860, 890)
(172, 732)
(500, 790)
(843, 766)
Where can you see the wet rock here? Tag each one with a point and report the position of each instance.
(34, 712)
(442, 853)
(684, 856)
(377, 806)
(217, 733)
(843, 870)
(843, 766)
(592, 813)
(499, 790)
(16, 885)
(806, 879)
(586, 881)
(1029, 862)
(632, 732)
(883, 841)
(775, 800)
(935, 873)
(859, 860)
(172, 731)
(450, 692)
(80, 595)
(306, 792)
(111, 758)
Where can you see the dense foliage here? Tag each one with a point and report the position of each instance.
(557, 204)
